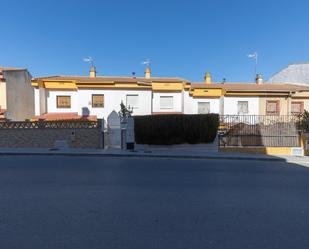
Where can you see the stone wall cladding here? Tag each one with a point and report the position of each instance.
(46, 138)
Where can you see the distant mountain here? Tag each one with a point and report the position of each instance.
(294, 73)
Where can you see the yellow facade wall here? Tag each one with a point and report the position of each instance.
(258, 150)
(2, 95)
(285, 104)
(304, 139)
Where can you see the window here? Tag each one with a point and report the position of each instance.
(97, 100)
(203, 107)
(166, 102)
(297, 108)
(132, 101)
(242, 107)
(63, 101)
(272, 107)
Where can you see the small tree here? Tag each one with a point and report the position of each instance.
(124, 111)
(304, 121)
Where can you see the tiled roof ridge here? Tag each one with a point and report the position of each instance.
(252, 86)
(11, 69)
(110, 77)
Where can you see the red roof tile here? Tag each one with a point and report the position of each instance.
(116, 79)
(65, 116)
(252, 87)
(10, 69)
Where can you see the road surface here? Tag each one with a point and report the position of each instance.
(136, 203)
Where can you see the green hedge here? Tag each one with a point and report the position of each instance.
(176, 129)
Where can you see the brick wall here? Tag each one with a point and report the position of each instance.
(46, 138)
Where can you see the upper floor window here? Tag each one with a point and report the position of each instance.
(203, 107)
(272, 107)
(132, 101)
(63, 101)
(97, 100)
(297, 107)
(242, 107)
(166, 102)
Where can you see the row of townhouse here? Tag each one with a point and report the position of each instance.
(92, 97)
(69, 97)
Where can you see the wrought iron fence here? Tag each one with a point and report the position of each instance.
(50, 124)
(259, 130)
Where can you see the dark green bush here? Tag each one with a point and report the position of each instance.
(304, 121)
(176, 129)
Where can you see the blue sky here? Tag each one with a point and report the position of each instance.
(181, 38)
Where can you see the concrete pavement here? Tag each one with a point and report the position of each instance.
(156, 153)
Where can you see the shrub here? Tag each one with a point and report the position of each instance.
(176, 129)
(304, 121)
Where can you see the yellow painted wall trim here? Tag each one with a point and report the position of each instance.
(207, 92)
(60, 85)
(167, 86)
(117, 86)
(97, 82)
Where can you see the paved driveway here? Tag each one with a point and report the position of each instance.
(85, 203)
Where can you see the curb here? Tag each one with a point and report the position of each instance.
(139, 156)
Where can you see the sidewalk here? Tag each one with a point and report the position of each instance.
(176, 154)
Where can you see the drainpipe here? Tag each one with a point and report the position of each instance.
(288, 103)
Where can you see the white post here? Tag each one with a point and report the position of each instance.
(130, 137)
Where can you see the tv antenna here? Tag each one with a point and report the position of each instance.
(146, 63)
(89, 60)
(254, 56)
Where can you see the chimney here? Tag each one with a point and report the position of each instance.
(259, 79)
(93, 72)
(147, 73)
(207, 78)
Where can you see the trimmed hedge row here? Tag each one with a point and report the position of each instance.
(176, 129)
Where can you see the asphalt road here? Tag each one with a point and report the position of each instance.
(87, 203)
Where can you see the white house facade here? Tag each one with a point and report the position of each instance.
(241, 105)
(83, 103)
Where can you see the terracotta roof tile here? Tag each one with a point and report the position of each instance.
(10, 69)
(252, 87)
(64, 116)
(102, 79)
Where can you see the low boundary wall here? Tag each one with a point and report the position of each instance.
(51, 134)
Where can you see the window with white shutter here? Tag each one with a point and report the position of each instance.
(132, 101)
(166, 102)
(243, 107)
